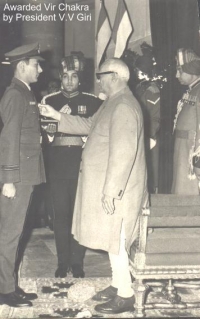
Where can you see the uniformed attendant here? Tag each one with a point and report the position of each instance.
(186, 167)
(64, 156)
(21, 165)
(148, 94)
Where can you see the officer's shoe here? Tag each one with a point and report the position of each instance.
(77, 271)
(116, 305)
(12, 299)
(61, 272)
(106, 294)
(27, 295)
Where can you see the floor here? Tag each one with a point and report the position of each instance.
(40, 259)
(37, 275)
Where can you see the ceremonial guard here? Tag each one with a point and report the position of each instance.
(64, 156)
(148, 94)
(186, 167)
(21, 165)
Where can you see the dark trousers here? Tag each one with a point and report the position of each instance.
(12, 218)
(69, 251)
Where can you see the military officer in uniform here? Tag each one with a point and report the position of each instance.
(186, 168)
(21, 165)
(148, 94)
(64, 156)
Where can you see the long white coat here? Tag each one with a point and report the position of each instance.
(113, 163)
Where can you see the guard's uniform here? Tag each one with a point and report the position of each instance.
(187, 139)
(21, 163)
(63, 161)
(148, 95)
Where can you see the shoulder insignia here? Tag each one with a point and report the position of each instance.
(154, 102)
(49, 95)
(86, 93)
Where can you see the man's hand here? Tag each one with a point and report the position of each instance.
(9, 190)
(108, 204)
(48, 111)
(50, 128)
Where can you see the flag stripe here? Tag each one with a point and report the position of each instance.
(119, 14)
(122, 29)
(102, 18)
(103, 33)
(123, 33)
(102, 40)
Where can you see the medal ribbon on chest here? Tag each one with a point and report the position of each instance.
(179, 107)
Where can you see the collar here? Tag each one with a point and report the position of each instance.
(20, 81)
(69, 95)
(193, 84)
(120, 92)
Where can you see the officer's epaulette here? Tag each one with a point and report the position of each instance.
(153, 88)
(86, 93)
(49, 95)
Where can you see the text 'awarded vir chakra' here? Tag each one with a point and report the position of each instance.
(46, 12)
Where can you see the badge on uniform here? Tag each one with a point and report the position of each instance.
(66, 109)
(82, 109)
(32, 103)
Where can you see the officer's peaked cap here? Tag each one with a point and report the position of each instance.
(189, 61)
(28, 51)
(73, 62)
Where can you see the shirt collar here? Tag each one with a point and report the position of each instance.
(122, 91)
(28, 86)
(69, 95)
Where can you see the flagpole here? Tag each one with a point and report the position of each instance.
(97, 10)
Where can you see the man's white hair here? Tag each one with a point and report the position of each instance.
(118, 66)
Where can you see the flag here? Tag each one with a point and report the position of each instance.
(122, 29)
(103, 33)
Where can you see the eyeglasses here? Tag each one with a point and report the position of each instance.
(98, 75)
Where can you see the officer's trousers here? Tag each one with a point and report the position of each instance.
(12, 218)
(69, 251)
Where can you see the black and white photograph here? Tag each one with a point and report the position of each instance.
(99, 159)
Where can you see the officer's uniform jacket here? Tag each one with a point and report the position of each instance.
(187, 142)
(64, 152)
(149, 96)
(21, 157)
(113, 163)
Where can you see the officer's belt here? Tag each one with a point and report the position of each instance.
(67, 141)
(185, 134)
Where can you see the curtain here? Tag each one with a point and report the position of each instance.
(174, 24)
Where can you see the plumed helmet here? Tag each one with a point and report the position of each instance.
(73, 62)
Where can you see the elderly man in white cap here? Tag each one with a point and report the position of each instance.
(186, 168)
(21, 165)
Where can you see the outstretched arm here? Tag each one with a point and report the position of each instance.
(68, 123)
(49, 111)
